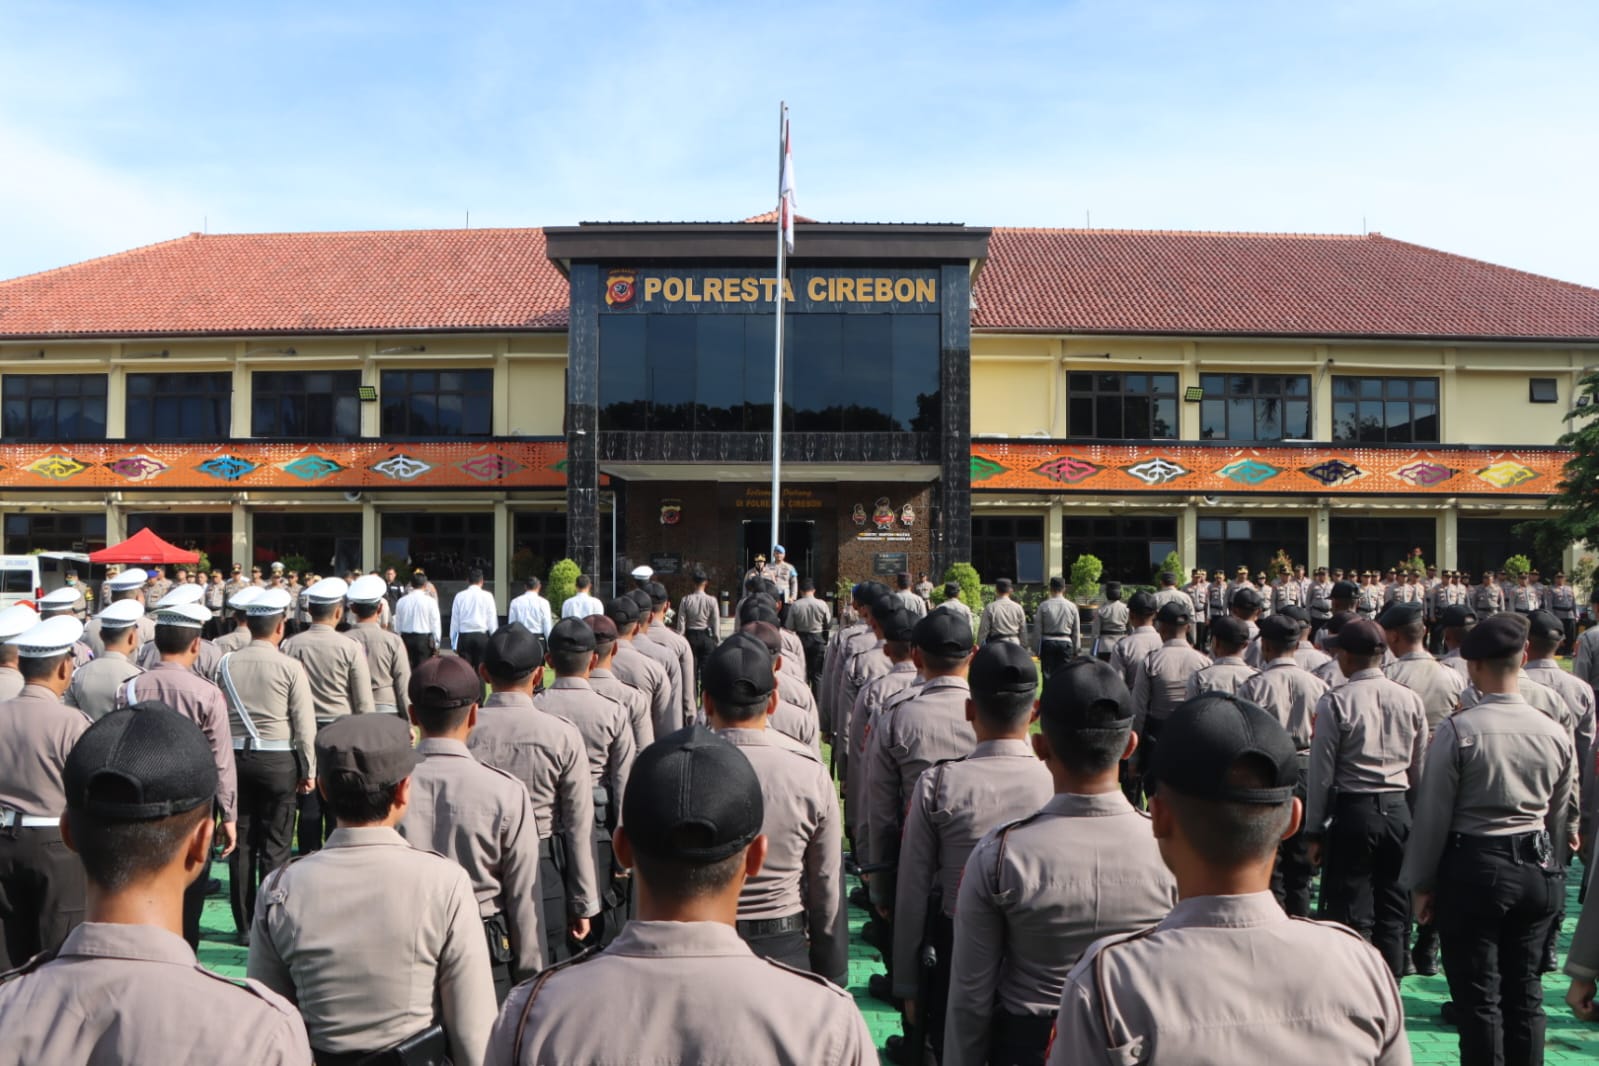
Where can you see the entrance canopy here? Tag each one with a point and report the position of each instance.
(144, 547)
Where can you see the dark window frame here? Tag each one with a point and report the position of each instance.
(1364, 409)
(1004, 537)
(1224, 402)
(154, 405)
(1224, 542)
(402, 390)
(280, 386)
(1094, 397)
(1543, 390)
(38, 393)
(1131, 547)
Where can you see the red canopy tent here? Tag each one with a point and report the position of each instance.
(144, 547)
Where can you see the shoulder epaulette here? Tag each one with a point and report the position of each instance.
(255, 988)
(31, 965)
(814, 978)
(1002, 835)
(536, 986)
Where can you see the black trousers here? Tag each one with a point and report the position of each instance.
(553, 912)
(1054, 654)
(41, 893)
(1365, 848)
(701, 643)
(472, 647)
(1493, 910)
(815, 651)
(418, 647)
(316, 823)
(194, 906)
(790, 949)
(1019, 1039)
(1291, 877)
(267, 784)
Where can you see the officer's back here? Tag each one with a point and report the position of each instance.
(341, 684)
(387, 662)
(605, 726)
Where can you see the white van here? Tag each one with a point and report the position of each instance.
(26, 578)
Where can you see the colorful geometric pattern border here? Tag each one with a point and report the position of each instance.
(271, 465)
(1322, 470)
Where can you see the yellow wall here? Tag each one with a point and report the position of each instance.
(537, 394)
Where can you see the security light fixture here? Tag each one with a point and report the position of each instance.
(368, 393)
(1194, 393)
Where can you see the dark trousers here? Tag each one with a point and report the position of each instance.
(472, 647)
(1019, 1039)
(1570, 626)
(1290, 878)
(553, 912)
(41, 893)
(194, 906)
(267, 783)
(1054, 654)
(315, 825)
(1360, 879)
(790, 948)
(418, 647)
(1493, 911)
(701, 643)
(815, 651)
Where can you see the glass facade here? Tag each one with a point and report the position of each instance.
(54, 533)
(317, 403)
(1121, 406)
(321, 542)
(198, 531)
(1226, 543)
(437, 403)
(1255, 407)
(179, 406)
(50, 407)
(1485, 544)
(538, 541)
(1385, 410)
(1003, 546)
(1383, 543)
(1130, 547)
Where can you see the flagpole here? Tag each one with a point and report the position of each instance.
(777, 359)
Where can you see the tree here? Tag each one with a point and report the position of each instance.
(1173, 565)
(1572, 513)
(562, 582)
(1086, 570)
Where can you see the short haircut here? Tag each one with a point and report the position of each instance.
(741, 712)
(1002, 585)
(440, 719)
(321, 612)
(364, 611)
(175, 640)
(473, 576)
(8, 654)
(38, 668)
(419, 580)
(568, 663)
(1057, 584)
(356, 804)
(1091, 741)
(1414, 631)
(941, 663)
(1232, 834)
(676, 880)
(263, 625)
(1507, 664)
(531, 583)
(807, 584)
(115, 854)
(1364, 661)
(1541, 646)
(902, 580)
(1004, 709)
(583, 582)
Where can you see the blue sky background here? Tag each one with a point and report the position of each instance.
(1463, 125)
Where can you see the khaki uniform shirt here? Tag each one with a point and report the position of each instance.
(276, 694)
(793, 656)
(868, 663)
(483, 819)
(1438, 686)
(1290, 692)
(387, 664)
(911, 602)
(1002, 620)
(215, 598)
(205, 664)
(811, 615)
(1371, 735)
(366, 977)
(341, 684)
(233, 640)
(91, 633)
(1057, 620)
(698, 610)
(679, 646)
(877, 694)
(202, 703)
(604, 725)
(1486, 600)
(1524, 599)
(546, 754)
(804, 853)
(11, 682)
(1497, 768)
(1163, 596)
(1226, 674)
(634, 668)
(636, 703)
(958, 606)
(846, 642)
(1035, 894)
(795, 723)
(954, 804)
(1310, 657)
(39, 732)
(907, 738)
(93, 689)
(666, 658)
(1156, 997)
(1580, 699)
(1562, 600)
(670, 974)
(1132, 650)
(1318, 600)
(117, 994)
(1160, 682)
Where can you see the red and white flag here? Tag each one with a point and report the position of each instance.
(785, 190)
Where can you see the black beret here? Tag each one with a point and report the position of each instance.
(513, 653)
(1397, 615)
(1498, 637)
(1141, 603)
(738, 673)
(1230, 630)
(1457, 615)
(1002, 668)
(571, 635)
(692, 797)
(1279, 629)
(1361, 636)
(622, 610)
(1542, 624)
(943, 633)
(1173, 613)
(140, 763)
(1344, 590)
(1082, 686)
(1296, 612)
(1206, 736)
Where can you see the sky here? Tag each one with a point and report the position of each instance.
(1461, 125)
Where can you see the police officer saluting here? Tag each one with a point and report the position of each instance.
(1495, 815)
(691, 829)
(1226, 773)
(124, 987)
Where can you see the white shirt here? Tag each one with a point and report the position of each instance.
(417, 612)
(472, 611)
(581, 606)
(533, 611)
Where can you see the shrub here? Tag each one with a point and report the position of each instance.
(965, 574)
(1085, 577)
(1517, 565)
(1173, 565)
(562, 582)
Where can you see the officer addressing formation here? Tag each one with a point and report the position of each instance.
(1085, 837)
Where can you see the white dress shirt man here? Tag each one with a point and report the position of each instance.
(473, 616)
(584, 603)
(532, 610)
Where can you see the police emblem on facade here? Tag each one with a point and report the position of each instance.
(671, 512)
(858, 515)
(621, 287)
(883, 514)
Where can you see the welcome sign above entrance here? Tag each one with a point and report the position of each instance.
(740, 290)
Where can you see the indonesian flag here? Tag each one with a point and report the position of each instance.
(785, 191)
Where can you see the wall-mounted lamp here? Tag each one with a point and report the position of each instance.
(1193, 393)
(367, 393)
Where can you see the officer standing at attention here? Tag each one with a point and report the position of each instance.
(1038, 891)
(94, 686)
(1365, 760)
(898, 632)
(387, 663)
(123, 988)
(1168, 592)
(865, 665)
(953, 602)
(479, 816)
(1160, 681)
(699, 618)
(40, 882)
(664, 657)
(1198, 592)
(1227, 774)
(14, 621)
(1141, 638)
(1438, 686)
(473, 616)
(531, 609)
(239, 636)
(273, 721)
(792, 909)
(809, 618)
(632, 667)
(906, 596)
(1289, 693)
(416, 620)
(782, 574)
(793, 717)
(1058, 630)
(1227, 671)
(373, 978)
(953, 805)
(1110, 622)
(691, 829)
(677, 646)
(1495, 817)
(63, 602)
(1486, 598)
(603, 681)
(1002, 619)
(1561, 601)
(128, 585)
(546, 754)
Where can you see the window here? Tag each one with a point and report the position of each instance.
(1381, 543)
(317, 403)
(1130, 547)
(1543, 390)
(1255, 407)
(1227, 543)
(179, 406)
(1485, 544)
(445, 544)
(1385, 410)
(49, 407)
(1009, 547)
(329, 542)
(1122, 406)
(438, 403)
(197, 531)
(538, 541)
(54, 533)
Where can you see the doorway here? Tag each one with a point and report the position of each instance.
(798, 538)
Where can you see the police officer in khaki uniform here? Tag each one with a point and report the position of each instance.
(792, 909)
(273, 722)
(663, 656)
(14, 621)
(675, 643)
(238, 614)
(94, 686)
(185, 595)
(1004, 618)
(1037, 891)
(874, 696)
(369, 978)
(865, 662)
(479, 816)
(1058, 629)
(63, 602)
(123, 987)
(40, 883)
(1160, 680)
(1495, 817)
(632, 667)
(953, 603)
(1227, 670)
(906, 597)
(851, 628)
(1438, 686)
(386, 660)
(698, 619)
(792, 717)
(953, 805)
(546, 754)
(808, 617)
(1365, 757)
(1141, 638)
(691, 828)
(606, 683)
(128, 585)
(1227, 772)
(1111, 619)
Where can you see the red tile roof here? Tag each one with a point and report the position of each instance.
(1133, 281)
(297, 283)
(1088, 281)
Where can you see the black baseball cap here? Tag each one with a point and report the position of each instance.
(365, 752)
(692, 797)
(1230, 630)
(622, 610)
(1002, 668)
(603, 628)
(571, 635)
(1495, 638)
(641, 600)
(943, 633)
(739, 672)
(1172, 613)
(767, 634)
(1545, 626)
(1278, 629)
(444, 682)
(1398, 615)
(657, 593)
(1456, 615)
(883, 608)
(1141, 603)
(1086, 685)
(1248, 599)
(1296, 612)
(1361, 636)
(140, 763)
(1206, 736)
(513, 653)
(900, 626)
(1344, 590)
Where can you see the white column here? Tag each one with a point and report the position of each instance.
(1448, 537)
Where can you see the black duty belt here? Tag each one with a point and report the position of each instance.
(1533, 847)
(1371, 799)
(1057, 636)
(759, 927)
